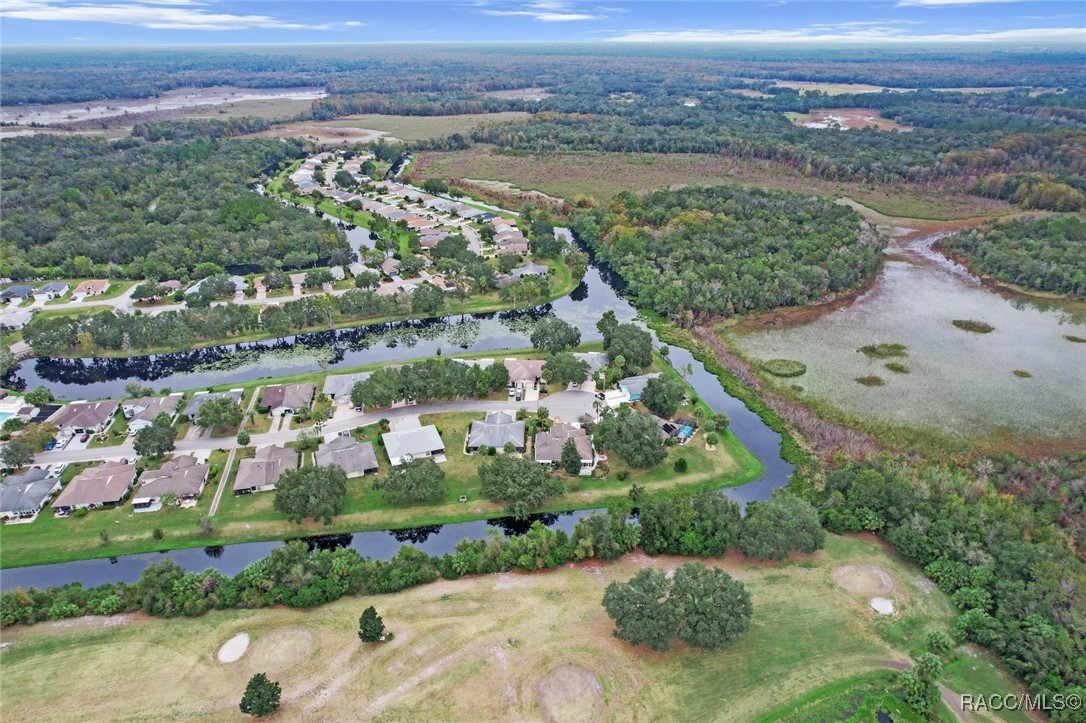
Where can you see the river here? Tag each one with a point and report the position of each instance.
(600, 291)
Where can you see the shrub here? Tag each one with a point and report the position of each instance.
(261, 696)
(622, 475)
(681, 465)
(784, 367)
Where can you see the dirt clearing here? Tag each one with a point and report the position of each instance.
(570, 693)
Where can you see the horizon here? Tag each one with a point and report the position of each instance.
(767, 23)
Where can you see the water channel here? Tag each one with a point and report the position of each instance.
(395, 342)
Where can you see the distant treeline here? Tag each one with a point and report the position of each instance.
(1046, 254)
(727, 250)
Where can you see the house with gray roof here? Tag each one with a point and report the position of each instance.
(201, 398)
(52, 290)
(353, 457)
(408, 439)
(632, 387)
(530, 269)
(261, 472)
(496, 430)
(183, 477)
(596, 360)
(287, 398)
(143, 411)
(524, 372)
(549, 445)
(16, 292)
(103, 486)
(338, 387)
(22, 496)
(15, 318)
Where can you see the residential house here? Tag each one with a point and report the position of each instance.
(52, 290)
(634, 386)
(288, 398)
(84, 417)
(409, 440)
(487, 217)
(261, 472)
(549, 445)
(355, 458)
(172, 284)
(90, 287)
(338, 387)
(613, 398)
(22, 496)
(390, 266)
(15, 319)
(524, 372)
(201, 398)
(496, 430)
(103, 486)
(183, 477)
(337, 273)
(18, 292)
(142, 412)
(596, 360)
(518, 248)
(530, 269)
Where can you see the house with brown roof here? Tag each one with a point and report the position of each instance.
(183, 477)
(390, 266)
(513, 248)
(84, 417)
(103, 486)
(524, 372)
(549, 445)
(355, 458)
(261, 472)
(91, 287)
(287, 398)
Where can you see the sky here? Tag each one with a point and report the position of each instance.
(228, 22)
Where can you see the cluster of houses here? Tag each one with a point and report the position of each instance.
(499, 429)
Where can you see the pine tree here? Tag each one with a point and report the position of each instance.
(370, 626)
(261, 696)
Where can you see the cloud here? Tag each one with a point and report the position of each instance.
(546, 11)
(947, 3)
(873, 34)
(154, 15)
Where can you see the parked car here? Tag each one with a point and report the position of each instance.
(84, 438)
(331, 412)
(50, 444)
(512, 392)
(58, 469)
(520, 394)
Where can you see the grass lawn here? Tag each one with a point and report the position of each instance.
(514, 646)
(114, 435)
(414, 128)
(603, 175)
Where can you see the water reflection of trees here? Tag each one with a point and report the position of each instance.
(512, 526)
(415, 535)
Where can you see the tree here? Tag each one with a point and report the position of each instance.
(606, 325)
(149, 290)
(16, 453)
(571, 458)
(632, 343)
(420, 480)
(633, 436)
(380, 389)
(317, 277)
(38, 434)
(311, 492)
(428, 300)
(156, 440)
(663, 394)
(219, 413)
(703, 523)
(371, 628)
(641, 609)
(38, 396)
(564, 368)
(261, 696)
(243, 438)
(713, 608)
(520, 483)
(135, 389)
(367, 280)
(605, 536)
(436, 186)
(554, 335)
(779, 525)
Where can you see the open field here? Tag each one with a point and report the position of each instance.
(603, 175)
(845, 118)
(512, 646)
(369, 127)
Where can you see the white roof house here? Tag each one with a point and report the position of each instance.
(338, 387)
(409, 439)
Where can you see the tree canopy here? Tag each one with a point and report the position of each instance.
(663, 395)
(555, 335)
(156, 440)
(261, 696)
(564, 368)
(633, 436)
(219, 413)
(780, 525)
(311, 492)
(420, 480)
(522, 484)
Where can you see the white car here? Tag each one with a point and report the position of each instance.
(58, 469)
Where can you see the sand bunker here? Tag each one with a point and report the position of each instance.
(570, 693)
(234, 648)
(882, 606)
(281, 649)
(864, 580)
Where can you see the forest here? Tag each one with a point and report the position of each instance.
(728, 250)
(1008, 561)
(77, 206)
(1045, 254)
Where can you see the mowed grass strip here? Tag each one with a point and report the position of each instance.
(484, 648)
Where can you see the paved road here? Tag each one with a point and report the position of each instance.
(566, 405)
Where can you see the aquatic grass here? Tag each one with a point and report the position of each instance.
(897, 368)
(884, 351)
(784, 367)
(1074, 339)
(871, 381)
(973, 325)
(1022, 373)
